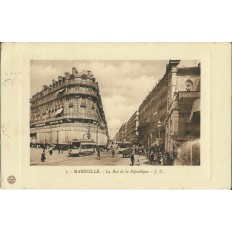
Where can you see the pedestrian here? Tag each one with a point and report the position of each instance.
(148, 154)
(132, 159)
(43, 156)
(172, 158)
(161, 159)
(113, 153)
(98, 153)
(138, 161)
(50, 150)
(156, 157)
(152, 157)
(167, 158)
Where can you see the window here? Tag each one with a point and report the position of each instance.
(83, 103)
(189, 85)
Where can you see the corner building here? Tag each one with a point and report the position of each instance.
(69, 108)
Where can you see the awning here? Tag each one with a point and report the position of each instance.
(195, 108)
(155, 113)
(59, 111)
(60, 91)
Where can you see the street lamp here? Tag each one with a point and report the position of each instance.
(159, 125)
(88, 133)
(96, 132)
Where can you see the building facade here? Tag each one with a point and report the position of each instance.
(69, 108)
(170, 113)
(121, 134)
(132, 134)
(183, 118)
(152, 115)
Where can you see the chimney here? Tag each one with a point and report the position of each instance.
(60, 78)
(45, 87)
(173, 64)
(67, 75)
(74, 71)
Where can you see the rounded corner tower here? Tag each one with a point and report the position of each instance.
(68, 109)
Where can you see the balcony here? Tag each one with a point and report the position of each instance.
(60, 85)
(190, 95)
(68, 92)
(67, 115)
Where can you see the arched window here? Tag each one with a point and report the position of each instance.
(189, 85)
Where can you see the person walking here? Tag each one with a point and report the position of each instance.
(132, 159)
(113, 153)
(138, 160)
(98, 153)
(43, 156)
(168, 159)
(152, 157)
(50, 150)
(161, 159)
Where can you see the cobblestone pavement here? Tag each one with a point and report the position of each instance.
(62, 159)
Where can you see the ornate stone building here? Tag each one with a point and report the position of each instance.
(69, 108)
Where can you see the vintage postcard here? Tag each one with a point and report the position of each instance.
(115, 115)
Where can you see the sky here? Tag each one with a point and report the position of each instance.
(123, 84)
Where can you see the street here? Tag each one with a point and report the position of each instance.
(62, 159)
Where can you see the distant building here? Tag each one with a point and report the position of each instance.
(132, 134)
(121, 134)
(69, 108)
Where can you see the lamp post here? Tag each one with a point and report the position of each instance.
(96, 132)
(159, 125)
(88, 133)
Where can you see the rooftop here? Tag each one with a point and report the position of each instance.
(184, 71)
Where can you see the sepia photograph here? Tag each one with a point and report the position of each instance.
(93, 117)
(115, 112)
